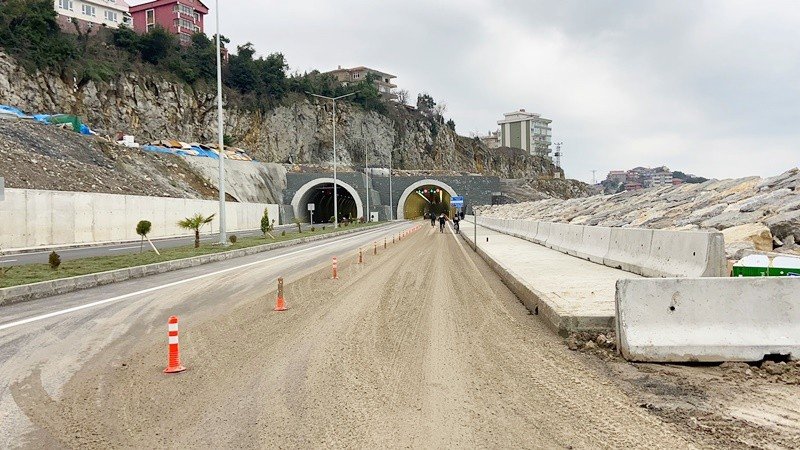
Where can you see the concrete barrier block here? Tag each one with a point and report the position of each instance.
(542, 232)
(558, 232)
(686, 254)
(532, 229)
(595, 244)
(573, 239)
(629, 249)
(708, 319)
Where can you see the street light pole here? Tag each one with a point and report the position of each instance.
(223, 239)
(366, 179)
(391, 194)
(335, 179)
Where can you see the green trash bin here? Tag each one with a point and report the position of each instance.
(785, 266)
(752, 266)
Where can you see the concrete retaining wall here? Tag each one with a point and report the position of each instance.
(33, 218)
(650, 253)
(708, 319)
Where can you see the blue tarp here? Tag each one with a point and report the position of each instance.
(206, 153)
(12, 110)
(157, 149)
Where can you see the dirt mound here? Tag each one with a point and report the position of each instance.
(38, 156)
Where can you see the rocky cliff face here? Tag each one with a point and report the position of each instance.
(300, 132)
(753, 213)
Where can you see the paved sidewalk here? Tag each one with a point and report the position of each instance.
(572, 294)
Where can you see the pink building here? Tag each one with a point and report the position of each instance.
(183, 18)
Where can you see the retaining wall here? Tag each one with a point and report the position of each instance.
(650, 253)
(33, 218)
(708, 319)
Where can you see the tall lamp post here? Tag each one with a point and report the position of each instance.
(223, 239)
(335, 179)
(366, 179)
(391, 194)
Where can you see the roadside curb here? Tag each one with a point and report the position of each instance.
(28, 292)
(538, 303)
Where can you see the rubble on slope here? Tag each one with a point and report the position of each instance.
(754, 213)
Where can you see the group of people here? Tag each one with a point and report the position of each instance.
(443, 219)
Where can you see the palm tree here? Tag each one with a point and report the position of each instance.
(194, 223)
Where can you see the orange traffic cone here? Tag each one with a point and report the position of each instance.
(280, 303)
(174, 363)
(335, 273)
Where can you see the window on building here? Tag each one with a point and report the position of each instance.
(88, 10)
(183, 23)
(65, 4)
(111, 16)
(150, 26)
(183, 9)
(151, 17)
(197, 17)
(185, 38)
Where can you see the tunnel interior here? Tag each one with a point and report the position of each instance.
(321, 196)
(427, 199)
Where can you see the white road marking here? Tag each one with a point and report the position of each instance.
(7, 260)
(174, 283)
(122, 248)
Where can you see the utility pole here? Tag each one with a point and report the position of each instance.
(391, 194)
(223, 238)
(335, 179)
(594, 178)
(366, 179)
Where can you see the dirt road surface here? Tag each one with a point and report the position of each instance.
(420, 346)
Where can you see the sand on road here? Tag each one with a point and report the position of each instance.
(420, 346)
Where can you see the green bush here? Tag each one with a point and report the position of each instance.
(233, 238)
(143, 229)
(54, 260)
(313, 229)
(283, 233)
(30, 33)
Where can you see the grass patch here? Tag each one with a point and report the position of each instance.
(34, 273)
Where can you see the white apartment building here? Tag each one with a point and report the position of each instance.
(90, 13)
(526, 131)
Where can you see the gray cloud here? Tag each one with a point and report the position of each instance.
(710, 87)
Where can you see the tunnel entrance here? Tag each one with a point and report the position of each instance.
(320, 192)
(426, 199)
(321, 196)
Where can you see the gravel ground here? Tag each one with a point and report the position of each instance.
(421, 346)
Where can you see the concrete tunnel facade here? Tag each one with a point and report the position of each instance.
(302, 188)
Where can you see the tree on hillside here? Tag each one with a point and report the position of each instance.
(157, 44)
(451, 124)
(425, 103)
(29, 32)
(273, 75)
(194, 223)
(242, 69)
(402, 96)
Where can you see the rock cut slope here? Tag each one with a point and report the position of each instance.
(753, 213)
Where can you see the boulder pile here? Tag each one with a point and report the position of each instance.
(755, 214)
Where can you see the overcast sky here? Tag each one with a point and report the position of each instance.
(707, 87)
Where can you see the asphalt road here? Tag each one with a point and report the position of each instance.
(52, 338)
(40, 257)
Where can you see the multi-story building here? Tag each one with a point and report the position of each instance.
(617, 176)
(526, 131)
(180, 17)
(660, 178)
(87, 14)
(383, 80)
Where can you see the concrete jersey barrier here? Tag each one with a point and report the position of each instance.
(708, 319)
(650, 253)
